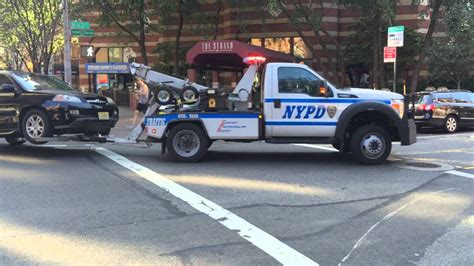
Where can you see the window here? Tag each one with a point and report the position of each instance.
(444, 98)
(4, 80)
(289, 45)
(297, 80)
(471, 97)
(461, 97)
(115, 55)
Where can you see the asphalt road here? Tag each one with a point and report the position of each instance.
(70, 203)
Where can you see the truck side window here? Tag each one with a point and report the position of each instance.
(297, 80)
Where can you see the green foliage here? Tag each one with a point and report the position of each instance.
(451, 58)
(30, 29)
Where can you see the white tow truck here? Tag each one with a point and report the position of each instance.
(294, 104)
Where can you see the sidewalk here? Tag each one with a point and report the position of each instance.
(122, 128)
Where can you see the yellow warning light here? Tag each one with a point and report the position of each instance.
(212, 103)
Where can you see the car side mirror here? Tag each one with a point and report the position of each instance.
(9, 88)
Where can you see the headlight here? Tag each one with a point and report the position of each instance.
(66, 98)
(109, 100)
(399, 107)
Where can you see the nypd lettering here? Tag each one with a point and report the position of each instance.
(304, 112)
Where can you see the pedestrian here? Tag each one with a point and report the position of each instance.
(142, 98)
(364, 81)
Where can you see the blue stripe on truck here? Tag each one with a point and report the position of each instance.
(299, 123)
(324, 100)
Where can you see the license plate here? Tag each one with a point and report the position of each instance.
(103, 116)
(419, 117)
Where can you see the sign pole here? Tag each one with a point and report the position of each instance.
(395, 73)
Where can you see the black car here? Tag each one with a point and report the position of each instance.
(448, 110)
(36, 106)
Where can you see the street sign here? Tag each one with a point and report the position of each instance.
(87, 51)
(83, 32)
(389, 54)
(80, 25)
(107, 68)
(395, 36)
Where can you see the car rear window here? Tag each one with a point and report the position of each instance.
(424, 98)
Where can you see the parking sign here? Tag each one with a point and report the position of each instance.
(395, 36)
(389, 54)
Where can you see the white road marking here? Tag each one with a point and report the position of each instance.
(459, 173)
(445, 136)
(317, 146)
(261, 239)
(387, 217)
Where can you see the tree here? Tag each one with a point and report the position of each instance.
(30, 29)
(130, 16)
(452, 58)
(377, 15)
(308, 15)
(174, 14)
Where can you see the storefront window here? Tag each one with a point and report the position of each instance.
(278, 44)
(289, 45)
(300, 49)
(115, 55)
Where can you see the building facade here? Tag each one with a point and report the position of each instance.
(256, 24)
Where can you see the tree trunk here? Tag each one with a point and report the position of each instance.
(216, 25)
(426, 45)
(142, 38)
(178, 37)
(375, 51)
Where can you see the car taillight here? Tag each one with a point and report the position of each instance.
(429, 107)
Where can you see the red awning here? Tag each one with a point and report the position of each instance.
(229, 54)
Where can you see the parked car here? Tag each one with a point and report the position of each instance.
(448, 110)
(35, 107)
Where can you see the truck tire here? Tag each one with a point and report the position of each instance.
(189, 94)
(163, 95)
(371, 144)
(186, 143)
(35, 125)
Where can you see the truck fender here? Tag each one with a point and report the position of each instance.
(174, 122)
(358, 108)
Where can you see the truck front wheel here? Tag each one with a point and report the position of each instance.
(186, 143)
(371, 144)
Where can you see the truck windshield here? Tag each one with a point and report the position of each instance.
(36, 82)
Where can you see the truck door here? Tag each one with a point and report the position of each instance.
(297, 108)
(8, 108)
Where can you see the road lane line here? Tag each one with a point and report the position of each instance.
(459, 173)
(259, 238)
(385, 218)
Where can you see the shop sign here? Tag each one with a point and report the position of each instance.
(107, 68)
(217, 46)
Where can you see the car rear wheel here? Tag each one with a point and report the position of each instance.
(451, 124)
(187, 143)
(35, 126)
(371, 144)
(15, 141)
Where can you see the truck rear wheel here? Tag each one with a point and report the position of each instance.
(371, 144)
(186, 143)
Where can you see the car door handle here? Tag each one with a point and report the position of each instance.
(277, 103)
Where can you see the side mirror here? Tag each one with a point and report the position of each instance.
(323, 89)
(8, 88)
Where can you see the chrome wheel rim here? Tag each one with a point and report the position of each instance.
(186, 143)
(373, 145)
(164, 95)
(451, 124)
(189, 95)
(35, 126)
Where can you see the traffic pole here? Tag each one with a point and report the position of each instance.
(67, 44)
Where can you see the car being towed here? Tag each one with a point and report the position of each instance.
(35, 107)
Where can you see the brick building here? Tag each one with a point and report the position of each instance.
(253, 24)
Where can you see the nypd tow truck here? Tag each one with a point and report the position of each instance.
(276, 103)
